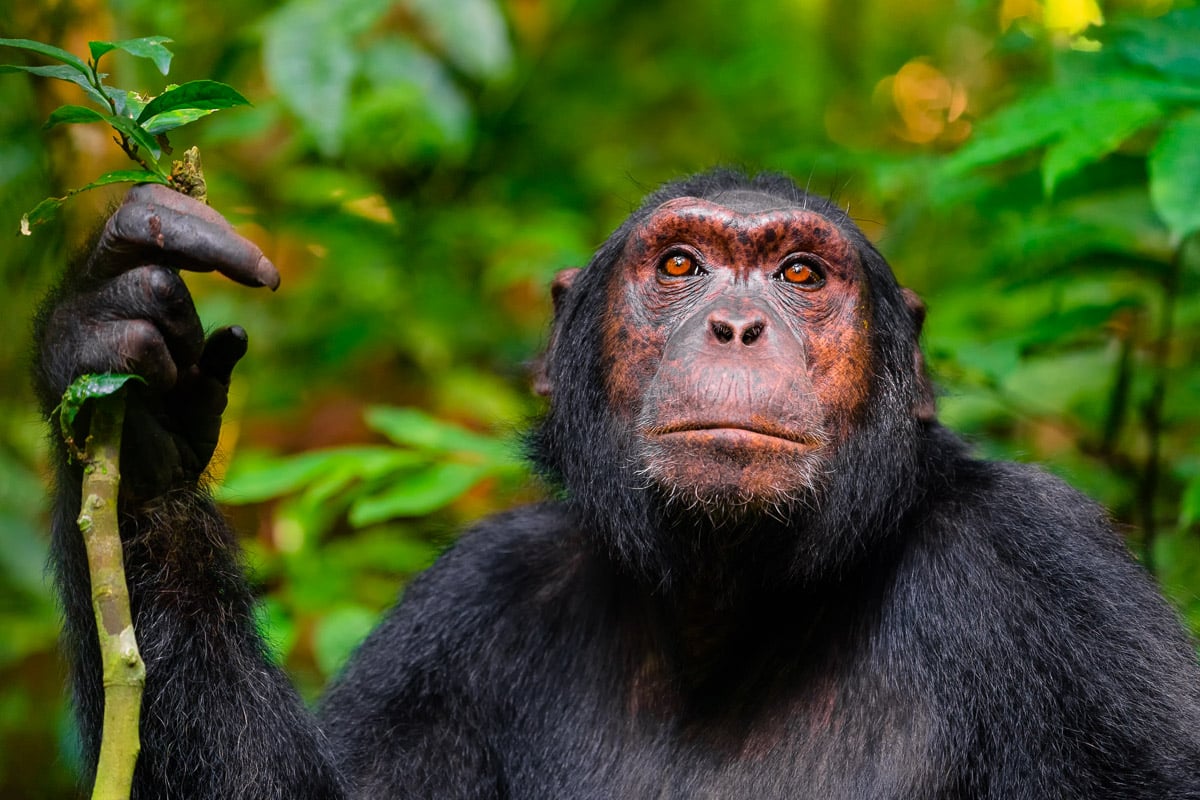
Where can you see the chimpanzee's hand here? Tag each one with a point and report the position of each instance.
(126, 309)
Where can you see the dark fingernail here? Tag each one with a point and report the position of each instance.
(238, 332)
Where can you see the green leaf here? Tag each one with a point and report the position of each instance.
(135, 132)
(61, 72)
(1166, 43)
(123, 176)
(79, 114)
(150, 47)
(311, 58)
(471, 33)
(42, 212)
(418, 493)
(1174, 166)
(1093, 133)
(70, 115)
(57, 53)
(413, 428)
(198, 95)
(1044, 116)
(46, 209)
(1020, 128)
(256, 477)
(170, 120)
(395, 68)
(1074, 323)
(100, 48)
(85, 388)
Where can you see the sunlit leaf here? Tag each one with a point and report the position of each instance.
(150, 47)
(418, 493)
(1174, 166)
(194, 95)
(171, 120)
(57, 53)
(1071, 16)
(124, 176)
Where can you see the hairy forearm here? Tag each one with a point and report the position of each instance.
(218, 718)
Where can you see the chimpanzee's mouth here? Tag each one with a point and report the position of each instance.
(736, 430)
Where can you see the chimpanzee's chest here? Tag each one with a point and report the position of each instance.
(592, 732)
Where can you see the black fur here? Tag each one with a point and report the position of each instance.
(934, 627)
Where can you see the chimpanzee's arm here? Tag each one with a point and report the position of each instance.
(219, 720)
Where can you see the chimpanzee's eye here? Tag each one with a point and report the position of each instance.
(804, 272)
(678, 264)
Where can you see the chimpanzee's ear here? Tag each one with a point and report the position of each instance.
(558, 293)
(926, 405)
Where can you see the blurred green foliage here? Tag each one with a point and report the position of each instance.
(419, 169)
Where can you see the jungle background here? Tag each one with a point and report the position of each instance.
(419, 169)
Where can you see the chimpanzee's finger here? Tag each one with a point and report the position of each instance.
(224, 348)
(179, 233)
(165, 196)
(156, 294)
(134, 346)
(204, 389)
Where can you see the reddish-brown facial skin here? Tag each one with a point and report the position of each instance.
(738, 382)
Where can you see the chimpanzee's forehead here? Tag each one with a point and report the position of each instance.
(743, 208)
(748, 201)
(740, 212)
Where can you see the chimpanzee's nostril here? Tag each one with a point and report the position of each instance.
(722, 331)
(751, 334)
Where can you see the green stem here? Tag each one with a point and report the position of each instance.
(123, 669)
(130, 149)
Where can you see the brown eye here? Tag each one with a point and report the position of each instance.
(678, 265)
(803, 274)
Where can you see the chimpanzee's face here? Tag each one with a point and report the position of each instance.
(737, 342)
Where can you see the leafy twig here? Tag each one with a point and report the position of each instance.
(140, 124)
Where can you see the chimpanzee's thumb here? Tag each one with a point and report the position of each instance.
(224, 348)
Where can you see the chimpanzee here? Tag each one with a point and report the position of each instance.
(770, 572)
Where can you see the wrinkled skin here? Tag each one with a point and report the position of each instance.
(741, 382)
